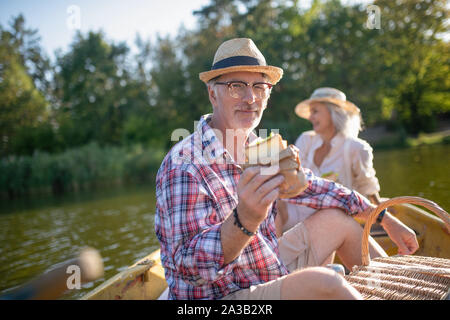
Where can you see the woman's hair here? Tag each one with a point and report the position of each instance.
(347, 124)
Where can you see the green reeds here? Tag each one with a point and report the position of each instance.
(82, 168)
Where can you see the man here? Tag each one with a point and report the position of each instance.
(216, 222)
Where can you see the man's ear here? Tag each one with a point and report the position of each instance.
(212, 95)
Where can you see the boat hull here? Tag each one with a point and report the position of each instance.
(142, 281)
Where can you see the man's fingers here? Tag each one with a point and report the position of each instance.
(403, 247)
(413, 245)
(271, 196)
(403, 250)
(408, 247)
(255, 191)
(268, 186)
(265, 174)
(260, 172)
(248, 175)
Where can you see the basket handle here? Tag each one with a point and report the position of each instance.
(397, 200)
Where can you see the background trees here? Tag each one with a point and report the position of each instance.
(414, 60)
(92, 84)
(100, 92)
(23, 86)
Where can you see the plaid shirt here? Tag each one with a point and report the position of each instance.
(196, 190)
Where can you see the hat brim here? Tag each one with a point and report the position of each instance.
(303, 108)
(274, 73)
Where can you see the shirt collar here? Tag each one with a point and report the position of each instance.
(337, 140)
(212, 147)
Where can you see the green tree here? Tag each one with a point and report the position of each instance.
(23, 108)
(414, 59)
(26, 42)
(141, 118)
(91, 86)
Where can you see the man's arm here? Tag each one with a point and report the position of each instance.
(403, 236)
(201, 249)
(187, 228)
(322, 194)
(375, 198)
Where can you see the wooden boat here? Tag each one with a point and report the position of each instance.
(145, 280)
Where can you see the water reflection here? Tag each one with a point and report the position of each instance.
(119, 224)
(422, 172)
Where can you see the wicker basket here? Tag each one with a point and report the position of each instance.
(402, 277)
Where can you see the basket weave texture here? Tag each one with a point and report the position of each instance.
(402, 277)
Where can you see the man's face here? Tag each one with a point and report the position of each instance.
(237, 113)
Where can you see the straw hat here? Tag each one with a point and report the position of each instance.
(331, 95)
(240, 54)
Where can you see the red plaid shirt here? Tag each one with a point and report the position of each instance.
(196, 189)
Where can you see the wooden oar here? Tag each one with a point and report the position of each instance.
(70, 274)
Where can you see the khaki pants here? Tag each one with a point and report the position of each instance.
(296, 252)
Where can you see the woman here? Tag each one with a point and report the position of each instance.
(333, 150)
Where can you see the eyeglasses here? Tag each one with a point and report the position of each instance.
(238, 89)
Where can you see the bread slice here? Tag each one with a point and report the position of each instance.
(288, 164)
(295, 183)
(275, 151)
(265, 151)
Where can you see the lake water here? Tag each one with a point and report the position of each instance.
(38, 233)
(422, 172)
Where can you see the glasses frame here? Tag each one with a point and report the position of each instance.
(229, 83)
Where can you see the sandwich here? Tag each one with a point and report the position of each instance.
(275, 151)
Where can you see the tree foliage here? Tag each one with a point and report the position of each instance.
(23, 108)
(99, 91)
(415, 60)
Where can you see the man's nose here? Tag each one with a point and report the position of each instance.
(249, 96)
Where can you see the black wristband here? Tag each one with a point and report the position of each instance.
(240, 226)
(380, 216)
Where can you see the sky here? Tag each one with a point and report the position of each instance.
(58, 20)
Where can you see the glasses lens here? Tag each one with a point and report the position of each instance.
(261, 90)
(238, 90)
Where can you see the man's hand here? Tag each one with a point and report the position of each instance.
(404, 237)
(256, 192)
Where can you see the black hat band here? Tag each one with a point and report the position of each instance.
(236, 61)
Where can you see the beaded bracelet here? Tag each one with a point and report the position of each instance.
(380, 216)
(240, 226)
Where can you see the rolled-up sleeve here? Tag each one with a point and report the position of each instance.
(187, 228)
(323, 193)
(303, 143)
